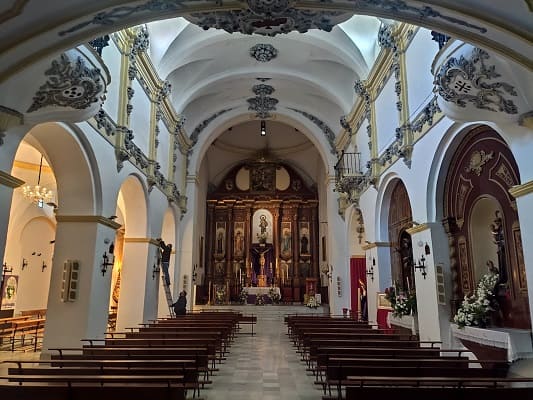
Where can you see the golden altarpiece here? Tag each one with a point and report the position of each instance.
(262, 232)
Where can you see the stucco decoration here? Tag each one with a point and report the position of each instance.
(478, 159)
(262, 104)
(464, 81)
(70, 84)
(268, 17)
(263, 52)
(141, 41)
(263, 90)
(328, 133)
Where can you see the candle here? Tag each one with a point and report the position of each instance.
(408, 287)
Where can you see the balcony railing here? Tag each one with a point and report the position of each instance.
(349, 165)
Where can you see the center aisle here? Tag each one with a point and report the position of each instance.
(265, 366)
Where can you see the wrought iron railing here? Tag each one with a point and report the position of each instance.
(348, 165)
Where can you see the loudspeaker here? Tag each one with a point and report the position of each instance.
(69, 284)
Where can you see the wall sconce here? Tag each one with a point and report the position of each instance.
(370, 271)
(105, 263)
(24, 263)
(421, 266)
(194, 273)
(43, 266)
(155, 270)
(427, 250)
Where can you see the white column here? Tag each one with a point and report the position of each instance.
(139, 284)
(338, 253)
(188, 248)
(433, 318)
(84, 239)
(7, 184)
(524, 201)
(380, 274)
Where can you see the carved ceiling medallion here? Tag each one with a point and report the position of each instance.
(263, 52)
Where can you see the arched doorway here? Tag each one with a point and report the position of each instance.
(400, 219)
(481, 221)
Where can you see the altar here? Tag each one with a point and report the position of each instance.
(253, 292)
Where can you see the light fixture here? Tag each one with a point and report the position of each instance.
(422, 266)
(105, 263)
(38, 194)
(24, 263)
(44, 266)
(263, 128)
(370, 271)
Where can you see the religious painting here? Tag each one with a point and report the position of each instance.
(304, 238)
(263, 178)
(286, 240)
(238, 239)
(220, 270)
(383, 303)
(10, 290)
(220, 238)
(262, 226)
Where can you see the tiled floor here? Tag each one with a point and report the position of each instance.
(260, 367)
(264, 366)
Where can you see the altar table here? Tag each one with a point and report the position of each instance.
(262, 290)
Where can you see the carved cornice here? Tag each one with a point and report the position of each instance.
(521, 190)
(10, 181)
(98, 219)
(418, 228)
(141, 240)
(369, 246)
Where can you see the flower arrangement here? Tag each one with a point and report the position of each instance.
(274, 296)
(401, 303)
(475, 310)
(243, 296)
(311, 302)
(259, 301)
(220, 296)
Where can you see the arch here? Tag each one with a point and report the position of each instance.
(100, 18)
(478, 166)
(66, 149)
(237, 116)
(132, 201)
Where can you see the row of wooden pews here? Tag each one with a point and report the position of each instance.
(23, 331)
(354, 360)
(163, 359)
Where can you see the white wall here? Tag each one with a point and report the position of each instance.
(386, 115)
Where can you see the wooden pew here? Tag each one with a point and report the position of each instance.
(435, 388)
(28, 327)
(137, 391)
(338, 370)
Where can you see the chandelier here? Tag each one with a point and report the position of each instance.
(38, 194)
